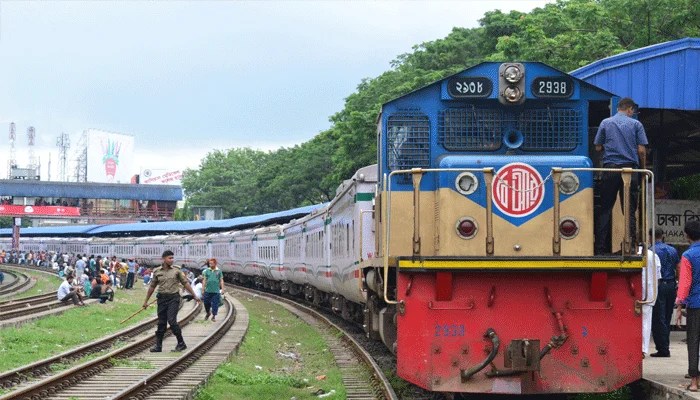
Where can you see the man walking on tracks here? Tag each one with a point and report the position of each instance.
(168, 278)
(213, 286)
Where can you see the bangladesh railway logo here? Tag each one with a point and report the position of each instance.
(518, 190)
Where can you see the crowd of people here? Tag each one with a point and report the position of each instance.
(677, 285)
(97, 277)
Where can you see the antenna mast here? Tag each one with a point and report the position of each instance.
(32, 158)
(12, 163)
(63, 143)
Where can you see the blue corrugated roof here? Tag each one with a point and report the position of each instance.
(52, 230)
(665, 75)
(74, 190)
(193, 226)
(169, 226)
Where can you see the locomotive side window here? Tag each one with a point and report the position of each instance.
(408, 141)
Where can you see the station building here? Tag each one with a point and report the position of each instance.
(664, 79)
(71, 203)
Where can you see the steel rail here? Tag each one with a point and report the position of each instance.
(30, 299)
(160, 378)
(21, 309)
(20, 281)
(55, 383)
(42, 367)
(378, 382)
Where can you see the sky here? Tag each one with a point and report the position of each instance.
(185, 78)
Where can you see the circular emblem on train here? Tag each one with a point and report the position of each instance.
(517, 190)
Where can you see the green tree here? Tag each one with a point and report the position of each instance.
(6, 222)
(227, 179)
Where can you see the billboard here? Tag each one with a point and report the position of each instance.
(43, 211)
(160, 176)
(110, 157)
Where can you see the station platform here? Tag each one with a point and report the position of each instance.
(666, 375)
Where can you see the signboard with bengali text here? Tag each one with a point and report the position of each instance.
(39, 211)
(154, 176)
(671, 216)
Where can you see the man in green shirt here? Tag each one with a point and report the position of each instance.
(213, 285)
(168, 278)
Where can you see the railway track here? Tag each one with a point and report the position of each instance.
(362, 377)
(30, 306)
(131, 371)
(19, 282)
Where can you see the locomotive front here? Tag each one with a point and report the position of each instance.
(485, 234)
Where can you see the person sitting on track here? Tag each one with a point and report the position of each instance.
(67, 292)
(85, 282)
(103, 292)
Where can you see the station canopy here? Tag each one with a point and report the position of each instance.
(664, 80)
(167, 227)
(76, 190)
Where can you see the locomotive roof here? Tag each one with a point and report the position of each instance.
(496, 64)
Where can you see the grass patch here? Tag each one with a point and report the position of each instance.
(44, 283)
(401, 387)
(280, 358)
(131, 363)
(621, 394)
(75, 327)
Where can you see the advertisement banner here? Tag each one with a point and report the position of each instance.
(671, 216)
(110, 157)
(155, 176)
(40, 211)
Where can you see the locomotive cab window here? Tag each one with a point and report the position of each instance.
(408, 141)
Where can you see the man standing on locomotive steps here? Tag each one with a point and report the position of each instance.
(168, 279)
(622, 140)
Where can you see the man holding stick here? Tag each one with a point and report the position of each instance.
(168, 278)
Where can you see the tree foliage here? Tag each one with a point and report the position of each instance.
(566, 34)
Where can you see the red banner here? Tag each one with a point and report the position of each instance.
(40, 211)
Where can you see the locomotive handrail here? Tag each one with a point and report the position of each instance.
(649, 177)
(417, 173)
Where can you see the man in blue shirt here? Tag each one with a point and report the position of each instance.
(622, 140)
(666, 296)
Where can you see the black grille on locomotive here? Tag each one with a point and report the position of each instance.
(474, 129)
(408, 141)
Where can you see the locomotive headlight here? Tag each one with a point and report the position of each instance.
(513, 94)
(512, 74)
(466, 183)
(569, 183)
